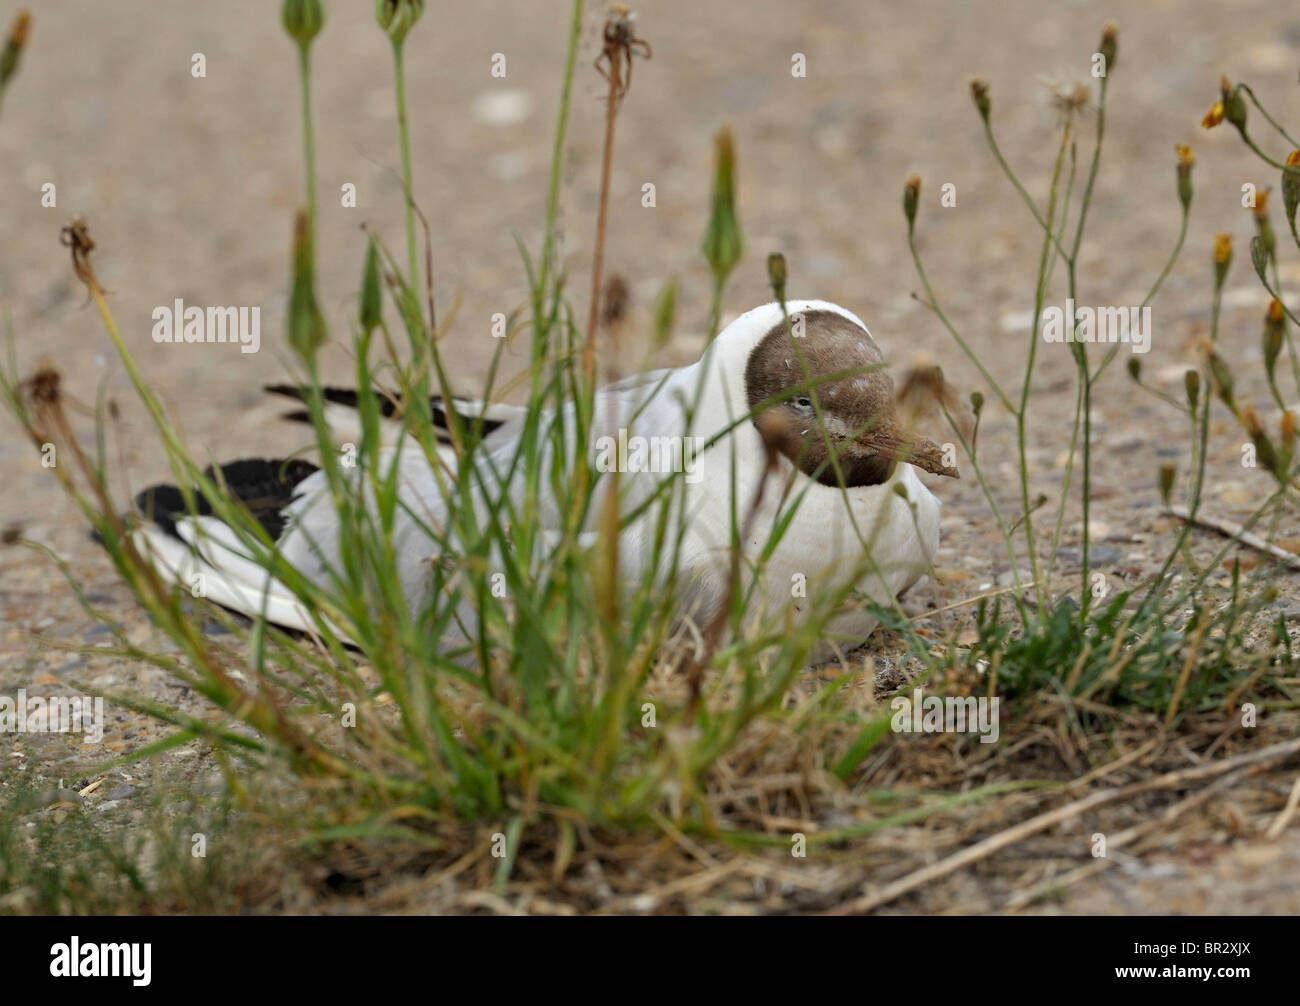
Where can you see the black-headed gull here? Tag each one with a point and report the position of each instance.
(828, 441)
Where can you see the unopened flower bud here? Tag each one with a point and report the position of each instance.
(1234, 105)
(397, 17)
(1262, 224)
(1259, 257)
(1286, 452)
(723, 244)
(776, 274)
(1291, 187)
(1274, 331)
(1222, 378)
(306, 324)
(302, 19)
(1185, 163)
(665, 314)
(1166, 481)
(1264, 452)
(18, 32)
(371, 310)
(1192, 385)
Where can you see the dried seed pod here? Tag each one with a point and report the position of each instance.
(911, 195)
(979, 91)
(1109, 44)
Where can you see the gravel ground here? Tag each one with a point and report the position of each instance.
(189, 186)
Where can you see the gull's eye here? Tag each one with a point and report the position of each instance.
(803, 403)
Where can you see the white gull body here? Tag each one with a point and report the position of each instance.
(869, 533)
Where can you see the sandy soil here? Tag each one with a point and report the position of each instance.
(189, 186)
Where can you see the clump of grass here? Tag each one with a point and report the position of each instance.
(175, 851)
(525, 689)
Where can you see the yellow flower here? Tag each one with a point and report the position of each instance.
(1213, 117)
(1222, 248)
(1261, 204)
(1222, 258)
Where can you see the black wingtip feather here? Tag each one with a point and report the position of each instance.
(389, 406)
(264, 485)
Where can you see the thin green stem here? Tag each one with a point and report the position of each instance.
(1040, 294)
(308, 142)
(1081, 350)
(932, 303)
(408, 193)
(1264, 112)
(1019, 187)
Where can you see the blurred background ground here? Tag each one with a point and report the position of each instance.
(189, 187)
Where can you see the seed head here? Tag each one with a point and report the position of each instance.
(1068, 97)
